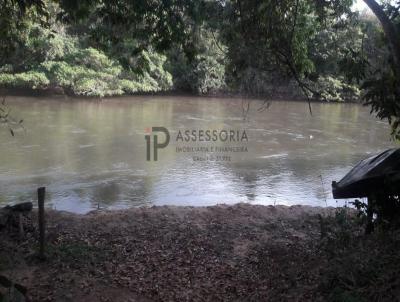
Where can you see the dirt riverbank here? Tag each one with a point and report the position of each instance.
(219, 253)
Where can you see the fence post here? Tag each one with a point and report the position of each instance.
(41, 194)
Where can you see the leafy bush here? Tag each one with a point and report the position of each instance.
(52, 57)
(44, 44)
(93, 59)
(336, 89)
(60, 73)
(383, 95)
(205, 74)
(151, 65)
(208, 75)
(130, 87)
(29, 79)
(90, 72)
(85, 72)
(199, 69)
(147, 73)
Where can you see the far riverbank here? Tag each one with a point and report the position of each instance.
(59, 92)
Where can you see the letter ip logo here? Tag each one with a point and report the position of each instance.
(156, 144)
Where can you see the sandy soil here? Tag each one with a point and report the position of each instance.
(219, 253)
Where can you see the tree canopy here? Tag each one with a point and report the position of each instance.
(316, 49)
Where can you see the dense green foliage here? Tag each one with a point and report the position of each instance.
(51, 57)
(309, 48)
(204, 71)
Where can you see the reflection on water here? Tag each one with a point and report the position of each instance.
(92, 154)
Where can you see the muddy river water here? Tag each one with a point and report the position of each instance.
(91, 153)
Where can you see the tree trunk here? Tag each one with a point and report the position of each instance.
(390, 31)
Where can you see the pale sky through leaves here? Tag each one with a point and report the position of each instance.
(360, 5)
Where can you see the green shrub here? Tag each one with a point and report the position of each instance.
(154, 69)
(29, 79)
(201, 68)
(93, 59)
(337, 90)
(94, 76)
(129, 87)
(60, 73)
(44, 44)
(147, 70)
(203, 75)
(90, 72)
(208, 75)
(96, 87)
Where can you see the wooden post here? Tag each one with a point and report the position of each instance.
(41, 194)
(370, 214)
